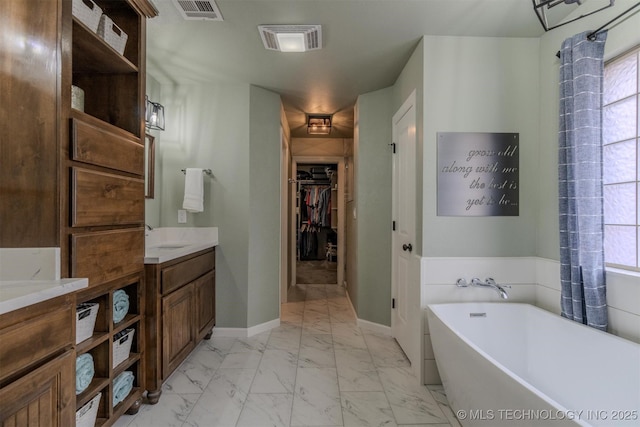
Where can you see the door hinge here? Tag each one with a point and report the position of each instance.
(393, 147)
(393, 303)
(393, 225)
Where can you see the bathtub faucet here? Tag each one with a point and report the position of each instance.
(490, 283)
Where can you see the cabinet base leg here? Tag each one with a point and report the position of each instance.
(133, 409)
(153, 396)
(208, 336)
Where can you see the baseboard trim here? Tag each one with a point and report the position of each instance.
(246, 332)
(263, 327)
(374, 327)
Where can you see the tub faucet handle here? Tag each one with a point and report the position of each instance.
(462, 283)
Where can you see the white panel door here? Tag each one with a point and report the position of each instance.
(403, 237)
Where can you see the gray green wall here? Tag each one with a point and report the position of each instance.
(481, 85)
(412, 78)
(211, 126)
(264, 206)
(373, 207)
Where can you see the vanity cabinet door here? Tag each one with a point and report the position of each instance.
(205, 289)
(43, 397)
(178, 332)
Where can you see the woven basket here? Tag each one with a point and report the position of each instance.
(86, 416)
(85, 320)
(122, 346)
(87, 12)
(112, 34)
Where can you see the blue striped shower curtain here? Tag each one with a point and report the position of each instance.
(582, 272)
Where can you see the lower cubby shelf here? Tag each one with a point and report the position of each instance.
(96, 386)
(101, 346)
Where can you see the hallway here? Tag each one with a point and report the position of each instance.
(316, 369)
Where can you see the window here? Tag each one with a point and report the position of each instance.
(621, 151)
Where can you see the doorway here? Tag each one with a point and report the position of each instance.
(405, 291)
(317, 224)
(317, 221)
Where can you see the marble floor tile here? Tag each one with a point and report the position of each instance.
(341, 316)
(171, 411)
(347, 336)
(318, 368)
(223, 400)
(366, 409)
(316, 401)
(316, 328)
(249, 359)
(287, 338)
(276, 373)
(266, 410)
(437, 391)
(256, 342)
(316, 351)
(219, 344)
(194, 374)
(385, 351)
(356, 371)
(296, 293)
(411, 402)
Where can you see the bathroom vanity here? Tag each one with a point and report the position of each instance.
(37, 371)
(180, 302)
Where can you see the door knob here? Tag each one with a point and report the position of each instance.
(407, 247)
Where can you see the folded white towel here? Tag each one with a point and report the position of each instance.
(193, 190)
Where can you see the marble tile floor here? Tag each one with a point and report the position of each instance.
(318, 368)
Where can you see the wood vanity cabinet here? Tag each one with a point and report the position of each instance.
(180, 313)
(37, 371)
(74, 178)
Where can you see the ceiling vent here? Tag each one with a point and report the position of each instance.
(199, 10)
(273, 36)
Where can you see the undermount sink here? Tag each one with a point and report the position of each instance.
(164, 244)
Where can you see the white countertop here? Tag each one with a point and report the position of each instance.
(168, 243)
(15, 294)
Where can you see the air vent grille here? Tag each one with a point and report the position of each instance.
(312, 35)
(198, 9)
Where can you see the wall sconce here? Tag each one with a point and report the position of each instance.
(153, 114)
(318, 124)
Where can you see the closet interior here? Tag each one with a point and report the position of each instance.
(317, 223)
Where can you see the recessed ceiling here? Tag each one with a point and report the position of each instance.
(366, 43)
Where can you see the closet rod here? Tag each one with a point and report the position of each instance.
(591, 36)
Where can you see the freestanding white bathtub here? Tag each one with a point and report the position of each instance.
(507, 364)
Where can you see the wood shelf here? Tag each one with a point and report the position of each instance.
(126, 364)
(91, 54)
(130, 319)
(93, 341)
(97, 385)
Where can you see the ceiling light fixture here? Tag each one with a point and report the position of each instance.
(318, 124)
(291, 42)
(542, 8)
(291, 38)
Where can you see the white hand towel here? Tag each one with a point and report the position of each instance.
(193, 190)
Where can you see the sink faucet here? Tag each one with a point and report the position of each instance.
(490, 283)
(148, 227)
